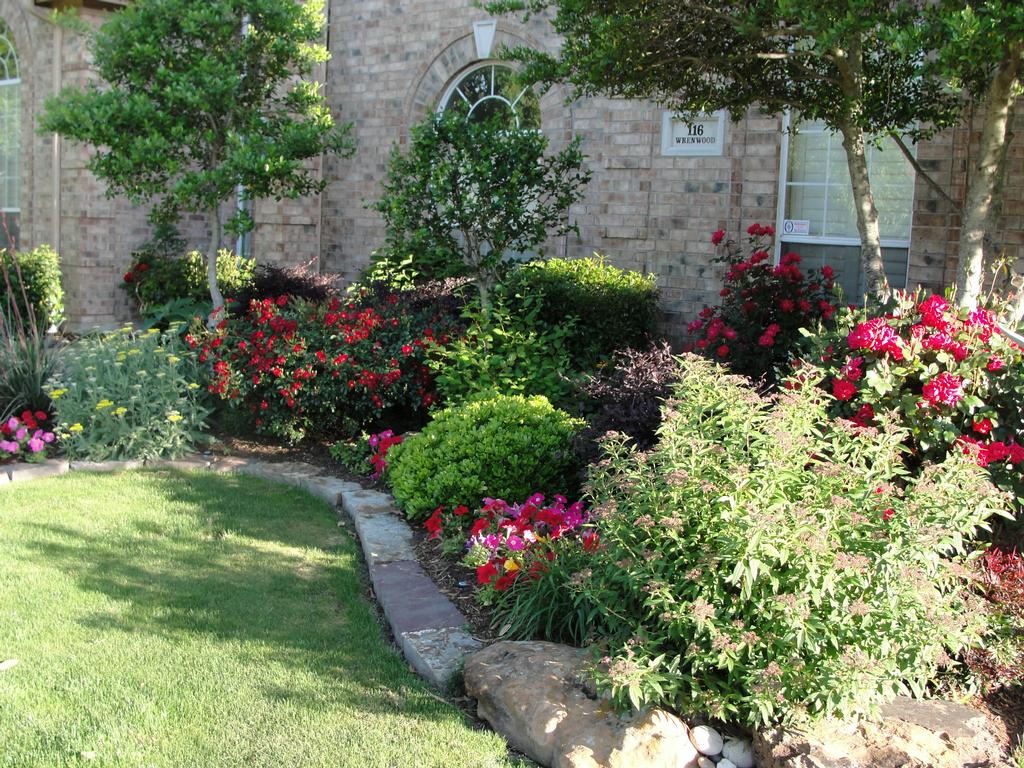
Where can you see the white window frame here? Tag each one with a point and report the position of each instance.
(453, 88)
(13, 81)
(780, 214)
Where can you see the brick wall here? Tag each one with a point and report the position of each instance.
(391, 62)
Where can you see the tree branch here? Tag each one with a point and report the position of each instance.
(924, 174)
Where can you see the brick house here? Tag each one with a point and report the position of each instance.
(660, 186)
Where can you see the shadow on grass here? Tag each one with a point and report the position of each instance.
(240, 559)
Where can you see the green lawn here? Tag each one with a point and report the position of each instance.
(166, 619)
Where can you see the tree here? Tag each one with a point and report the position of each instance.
(199, 99)
(476, 192)
(979, 49)
(845, 63)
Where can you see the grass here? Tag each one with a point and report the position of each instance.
(166, 619)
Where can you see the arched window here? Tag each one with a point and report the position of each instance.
(10, 138)
(489, 91)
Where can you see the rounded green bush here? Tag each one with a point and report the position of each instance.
(614, 308)
(34, 276)
(507, 447)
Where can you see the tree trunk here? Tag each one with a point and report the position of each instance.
(983, 191)
(867, 214)
(216, 228)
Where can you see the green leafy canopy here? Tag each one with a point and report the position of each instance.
(198, 98)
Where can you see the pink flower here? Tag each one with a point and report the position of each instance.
(8, 446)
(36, 445)
(944, 389)
(995, 363)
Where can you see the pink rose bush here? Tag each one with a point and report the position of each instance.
(25, 437)
(949, 375)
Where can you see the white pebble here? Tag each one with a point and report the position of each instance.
(705, 762)
(738, 752)
(726, 764)
(706, 740)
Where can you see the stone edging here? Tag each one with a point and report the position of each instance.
(432, 633)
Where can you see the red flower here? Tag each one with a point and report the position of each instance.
(591, 542)
(479, 526)
(722, 351)
(843, 390)
(282, 300)
(852, 369)
(485, 573)
(995, 363)
(828, 273)
(717, 236)
(864, 416)
(982, 427)
(876, 335)
(888, 514)
(128, 277)
(944, 389)
(505, 581)
(433, 523)
(460, 510)
(787, 305)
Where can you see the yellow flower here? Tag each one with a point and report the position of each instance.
(57, 393)
(153, 330)
(120, 411)
(174, 417)
(103, 404)
(75, 428)
(193, 385)
(173, 358)
(511, 565)
(133, 351)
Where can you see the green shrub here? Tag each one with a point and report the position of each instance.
(508, 447)
(125, 395)
(507, 352)
(34, 275)
(757, 565)
(157, 279)
(614, 308)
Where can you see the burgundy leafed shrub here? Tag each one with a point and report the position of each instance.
(756, 328)
(626, 397)
(270, 281)
(1002, 581)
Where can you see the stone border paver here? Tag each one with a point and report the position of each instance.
(431, 631)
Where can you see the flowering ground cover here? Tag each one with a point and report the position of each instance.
(164, 619)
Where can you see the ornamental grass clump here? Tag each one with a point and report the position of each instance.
(508, 447)
(128, 395)
(757, 565)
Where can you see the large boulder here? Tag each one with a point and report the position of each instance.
(535, 694)
(910, 734)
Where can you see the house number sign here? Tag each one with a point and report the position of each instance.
(702, 135)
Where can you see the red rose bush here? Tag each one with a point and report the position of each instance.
(764, 305)
(333, 368)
